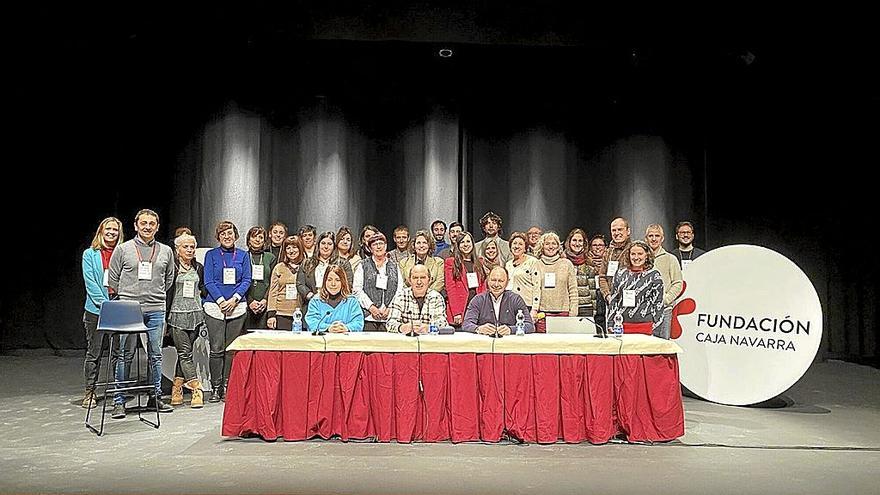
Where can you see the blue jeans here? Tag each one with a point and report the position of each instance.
(155, 321)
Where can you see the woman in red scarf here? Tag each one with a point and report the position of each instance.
(576, 252)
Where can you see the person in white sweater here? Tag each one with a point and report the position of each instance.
(670, 271)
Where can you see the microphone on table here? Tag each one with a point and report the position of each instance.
(601, 330)
(317, 330)
(412, 328)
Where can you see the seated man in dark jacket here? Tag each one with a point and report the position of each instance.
(495, 312)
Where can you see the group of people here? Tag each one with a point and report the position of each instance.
(328, 283)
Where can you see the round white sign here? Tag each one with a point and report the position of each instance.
(750, 325)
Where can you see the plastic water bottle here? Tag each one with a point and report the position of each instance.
(618, 324)
(297, 321)
(520, 323)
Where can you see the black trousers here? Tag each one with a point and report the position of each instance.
(255, 321)
(221, 333)
(97, 346)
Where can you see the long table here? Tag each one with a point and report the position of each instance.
(460, 388)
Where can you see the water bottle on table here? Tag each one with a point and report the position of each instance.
(618, 324)
(520, 323)
(297, 321)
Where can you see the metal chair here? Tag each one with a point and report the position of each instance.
(117, 319)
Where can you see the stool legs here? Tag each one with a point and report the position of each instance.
(118, 386)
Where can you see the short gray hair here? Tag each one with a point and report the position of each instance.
(183, 238)
(655, 226)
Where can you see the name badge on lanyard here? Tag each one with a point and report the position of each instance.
(106, 278)
(549, 280)
(145, 270)
(189, 289)
(472, 280)
(257, 272)
(629, 298)
(290, 292)
(228, 276)
(612, 268)
(381, 281)
(685, 263)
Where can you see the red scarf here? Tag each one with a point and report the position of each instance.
(576, 259)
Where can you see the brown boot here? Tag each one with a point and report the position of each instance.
(198, 399)
(89, 401)
(177, 391)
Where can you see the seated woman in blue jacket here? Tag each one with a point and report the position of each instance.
(494, 312)
(335, 310)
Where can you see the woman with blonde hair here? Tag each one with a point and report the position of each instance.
(95, 263)
(422, 246)
(523, 270)
(559, 293)
(490, 257)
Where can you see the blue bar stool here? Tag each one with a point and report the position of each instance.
(118, 319)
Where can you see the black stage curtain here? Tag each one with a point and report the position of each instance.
(746, 153)
(320, 167)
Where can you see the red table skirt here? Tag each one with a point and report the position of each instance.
(542, 398)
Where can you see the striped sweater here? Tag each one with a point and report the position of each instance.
(649, 297)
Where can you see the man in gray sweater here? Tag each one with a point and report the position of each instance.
(142, 270)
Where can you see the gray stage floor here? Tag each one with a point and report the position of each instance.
(828, 441)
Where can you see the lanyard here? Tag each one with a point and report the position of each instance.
(224, 259)
(138, 252)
